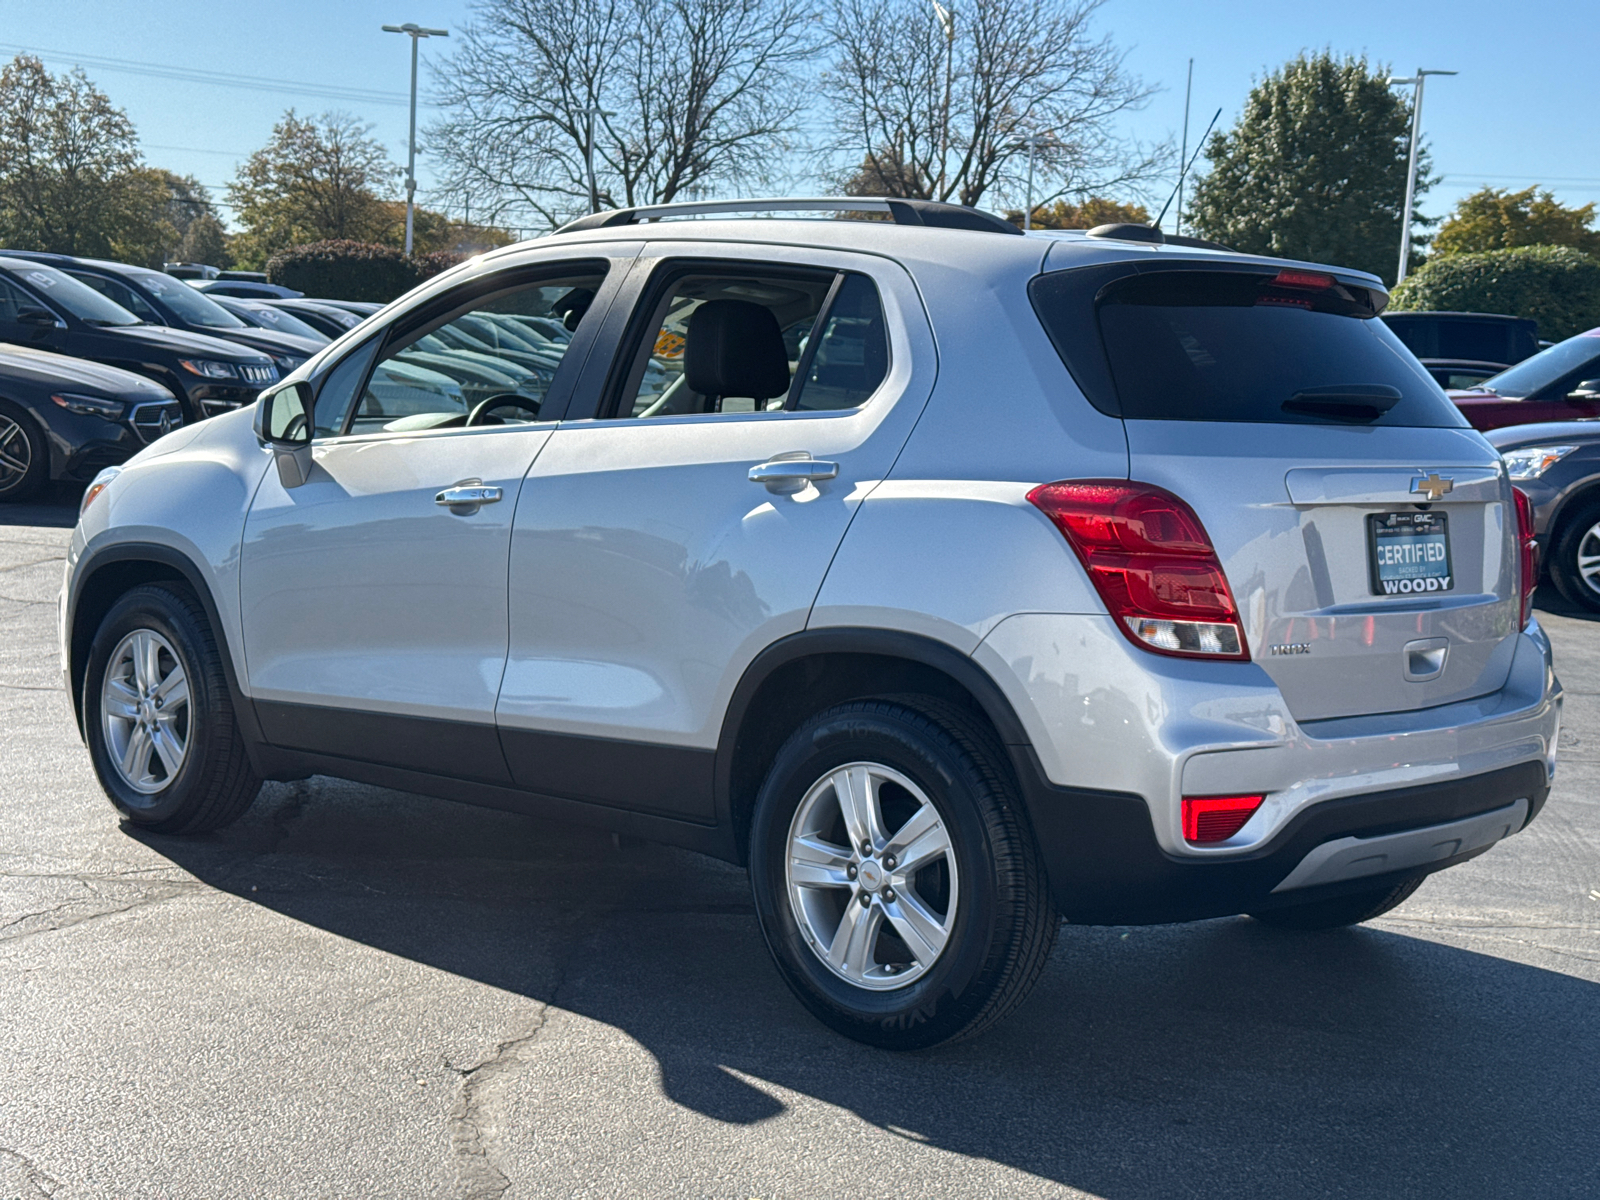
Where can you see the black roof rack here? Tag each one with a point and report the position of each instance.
(902, 212)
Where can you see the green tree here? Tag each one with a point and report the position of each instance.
(1494, 219)
(1096, 210)
(1315, 167)
(1557, 286)
(70, 174)
(317, 179)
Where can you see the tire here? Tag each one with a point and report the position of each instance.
(1340, 911)
(1578, 537)
(985, 893)
(189, 771)
(24, 455)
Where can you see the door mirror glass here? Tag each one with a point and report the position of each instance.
(283, 416)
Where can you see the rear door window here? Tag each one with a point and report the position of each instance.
(1291, 346)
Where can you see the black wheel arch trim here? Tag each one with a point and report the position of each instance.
(867, 642)
(96, 558)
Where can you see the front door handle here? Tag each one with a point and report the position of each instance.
(785, 473)
(465, 498)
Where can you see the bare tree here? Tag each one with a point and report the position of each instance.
(950, 96)
(688, 93)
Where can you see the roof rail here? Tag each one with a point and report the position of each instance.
(902, 212)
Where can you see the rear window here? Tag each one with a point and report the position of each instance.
(1290, 347)
(1481, 339)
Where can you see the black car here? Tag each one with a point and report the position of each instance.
(331, 319)
(47, 309)
(244, 289)
(64, 418)
(1461, 348)
(162, 300)
(1558, 465)
(264, 316)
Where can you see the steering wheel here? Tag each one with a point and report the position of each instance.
(482, 413)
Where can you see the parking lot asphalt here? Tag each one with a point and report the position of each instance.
(358, 992)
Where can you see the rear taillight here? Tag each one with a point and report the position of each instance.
(1528, 543)
(1152, 563)
(1216, 818)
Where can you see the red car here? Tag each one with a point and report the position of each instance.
(1561, 383)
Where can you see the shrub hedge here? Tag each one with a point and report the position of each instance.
(1557, 286)
(346, 270)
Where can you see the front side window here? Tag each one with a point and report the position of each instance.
(490, 364)
(190, 306)
(88, 305)
(737, 341)
(118, 292)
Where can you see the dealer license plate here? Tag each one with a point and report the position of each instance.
(1409, 552)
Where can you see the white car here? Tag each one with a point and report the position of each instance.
(954, 580)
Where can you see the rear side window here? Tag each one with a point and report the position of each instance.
(1291, 347)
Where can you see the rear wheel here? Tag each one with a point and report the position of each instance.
(897, 883)
(24, 457)
(159, 718)
(1575, 557)
(1341, 910)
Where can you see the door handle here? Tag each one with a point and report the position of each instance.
(465, 498)
(785, 473)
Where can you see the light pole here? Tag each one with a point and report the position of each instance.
(1032, 143)
(1411, 163)
(416, 33)
(947, 23)
(592, 112)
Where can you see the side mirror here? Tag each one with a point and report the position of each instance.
(283, 424)
(1588, 389)
(36, 316)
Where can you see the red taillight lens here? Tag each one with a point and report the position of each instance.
(1528, 543)
(1216, 818)
(1152, 563)
(1303, 279)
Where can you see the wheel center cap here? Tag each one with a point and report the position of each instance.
(871, 875)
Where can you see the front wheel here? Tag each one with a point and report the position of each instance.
(897, 883)
(1575, 557)
(158, 716)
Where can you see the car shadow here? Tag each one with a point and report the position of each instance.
(1223, 1059)
(1547, 599)
(54, 508)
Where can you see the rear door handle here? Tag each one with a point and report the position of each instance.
(791, 473)
(466, 498)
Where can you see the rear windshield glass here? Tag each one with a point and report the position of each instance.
(1290, 347)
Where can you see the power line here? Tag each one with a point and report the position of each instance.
(254, 83)
(1463, 175)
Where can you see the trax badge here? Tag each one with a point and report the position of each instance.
(1291, 648)
(1432, 485)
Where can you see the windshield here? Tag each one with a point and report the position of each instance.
(1564, 363)
(267, 317)
(1294, 348)
(191, 307)
(88, 305)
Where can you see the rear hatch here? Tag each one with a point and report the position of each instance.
(1367, 533)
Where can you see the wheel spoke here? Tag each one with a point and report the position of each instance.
(857, 792)
(167, 747)
(174, 689)
(14, 463)
(815, 863)
(921, 931)
(121, 700)
(851, 951)
(136, 755)
(920, 840)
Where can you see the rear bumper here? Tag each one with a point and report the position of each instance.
(1106, 867)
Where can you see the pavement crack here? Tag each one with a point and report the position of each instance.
(33, 1175)
(288, 813)
(67, 913)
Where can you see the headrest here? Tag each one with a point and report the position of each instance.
(735, 348)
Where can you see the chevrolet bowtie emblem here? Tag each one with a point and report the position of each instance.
(1432, 485)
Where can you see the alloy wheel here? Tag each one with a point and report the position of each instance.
(1587, 557)
(145, 711)
(16, 454)
(871, 875)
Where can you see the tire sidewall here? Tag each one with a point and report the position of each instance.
(936, 1004)
(1564, 557)
(151, 608)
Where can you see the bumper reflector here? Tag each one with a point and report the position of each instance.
(1216, 818)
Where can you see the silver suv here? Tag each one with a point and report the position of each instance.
(956, 581)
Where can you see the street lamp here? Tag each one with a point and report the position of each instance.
(416, 33)
(1032, 143)
(1411, 165)
(591, 113)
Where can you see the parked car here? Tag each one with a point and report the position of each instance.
(1460, 348)
(329, 318)
(1558, 465)
(264, 316)
(244, 289)
(66, 419)
(186, 270)
(361, 308)
(47, 309)
(158, 298)
(951, 579)
(1561, 383)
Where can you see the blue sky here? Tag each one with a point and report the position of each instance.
(1522, 111)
